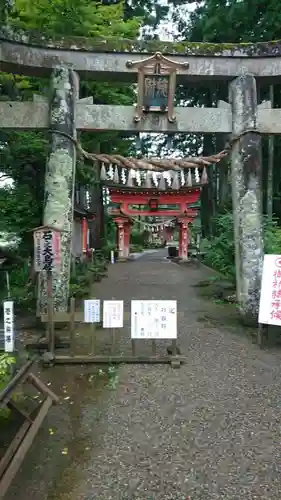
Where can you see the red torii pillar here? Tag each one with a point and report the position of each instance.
(183, 238)
(123, 225)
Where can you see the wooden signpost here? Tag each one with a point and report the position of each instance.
(47, 258)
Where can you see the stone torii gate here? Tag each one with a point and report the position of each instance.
(66, 60)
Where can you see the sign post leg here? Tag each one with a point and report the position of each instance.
(51, 330)
(262, 333)
(93, 339)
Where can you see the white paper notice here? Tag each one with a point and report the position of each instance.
(113, 312)
(9, 334)
(270, 298)
(153, 319)
(92, 311)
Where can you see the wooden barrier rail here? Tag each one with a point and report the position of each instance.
(16, 451)
(71, 318)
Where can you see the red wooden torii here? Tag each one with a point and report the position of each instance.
(153, 198)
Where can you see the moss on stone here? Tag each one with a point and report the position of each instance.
(261, 49)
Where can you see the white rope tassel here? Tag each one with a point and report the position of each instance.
(182, 178)
(138, 178)
(155, 179)
(123, 176)
(169, 177)
(204, 177)
(116, 175)
(197, 176)
(175, 184)
(148, 180)
(189, 178)
(130, 178)
(110, 172)
(103, 175)
(162, 183)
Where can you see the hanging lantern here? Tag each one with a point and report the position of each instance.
(153, 204)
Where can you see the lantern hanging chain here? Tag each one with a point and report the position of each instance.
(153, 164)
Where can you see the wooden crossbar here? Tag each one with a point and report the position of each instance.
(92, 356)
(16, 452)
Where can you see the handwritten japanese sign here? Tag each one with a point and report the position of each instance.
(270, 297)
(47, 250)
(113, 313)
(92, 311)
(9, 334)
(153, 319)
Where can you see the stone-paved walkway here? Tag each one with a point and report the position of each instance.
(210, 430)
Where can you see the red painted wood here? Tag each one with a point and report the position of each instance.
(182, 198)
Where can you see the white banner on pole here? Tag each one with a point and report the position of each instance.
(92, 311)
(270, 297)
(153, 319)
(9, 333)
(113, 313)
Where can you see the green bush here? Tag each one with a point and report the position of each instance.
(220, 250)
(23, 291)
(138, 238)
(87, 272)
(153, 244)
(6, 362)
(136, 248)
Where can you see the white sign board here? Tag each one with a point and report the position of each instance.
(113, 313)
(153, 319)
(270, 297)
(9, 334)
(92, 311)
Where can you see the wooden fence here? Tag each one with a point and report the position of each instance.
(73, 318)
(13, 456)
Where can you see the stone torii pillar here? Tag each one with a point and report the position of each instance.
(59, 181)
(183, 238)
(123, 225)
(246, 195)
(127, 236)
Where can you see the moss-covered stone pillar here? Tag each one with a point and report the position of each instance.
(60, 180)
(246, 195)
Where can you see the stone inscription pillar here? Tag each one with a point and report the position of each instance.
(246, 196)
(120, 223)
(127, 234)
(60, 179)
(183, 239)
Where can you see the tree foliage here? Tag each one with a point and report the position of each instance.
(23, 154)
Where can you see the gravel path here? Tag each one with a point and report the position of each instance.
(210, 430)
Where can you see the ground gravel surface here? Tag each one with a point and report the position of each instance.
(209, 430)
